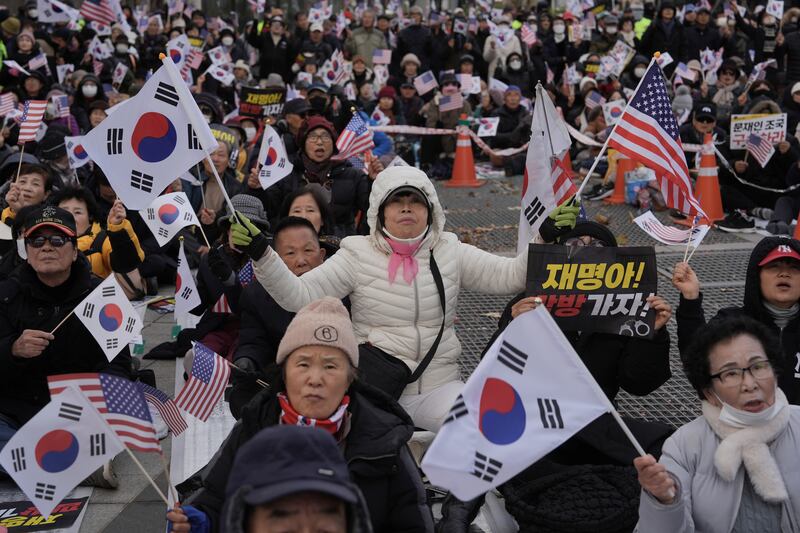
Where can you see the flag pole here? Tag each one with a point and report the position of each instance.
(63, 320)
(605, 144)
(169, 479)
(19, 166)
(149, 478)
(689, 240)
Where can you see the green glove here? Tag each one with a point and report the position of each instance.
(560, 220)
(247, 237)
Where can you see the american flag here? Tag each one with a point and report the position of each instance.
(32, 113)
(99, 10)
(37, 62)
(119, 402)
(761, 148)
(451, 102)
(195, 57)
(355, 138)
(563, 187)
(246, 274)
(222, 306)
(165, 407)
(647, 132)
(528, 35)
(61, 102)
(382, 57)
(425, 82)
(594, 99)
(7, 103)
(206, 383)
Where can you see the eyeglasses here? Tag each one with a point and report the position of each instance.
(56, 241)
(579, 241)
(706, 120)
(732, 377)
(320, 137)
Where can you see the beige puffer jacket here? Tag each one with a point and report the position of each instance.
(399, 318)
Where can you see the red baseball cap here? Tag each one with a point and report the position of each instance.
(782, 251)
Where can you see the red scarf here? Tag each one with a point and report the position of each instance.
(332, 424)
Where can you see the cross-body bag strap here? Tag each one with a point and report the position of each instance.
(437, 278)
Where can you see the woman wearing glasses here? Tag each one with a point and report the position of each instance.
(735, 468)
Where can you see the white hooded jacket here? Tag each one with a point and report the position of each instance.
(399, 318)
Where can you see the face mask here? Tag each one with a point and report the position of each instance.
(611, 30)
(558, 28)
(743, 419)
(51, 109)
(122, 48)
(227, 41)
(33, 13)
(515, 64)
(639, 72)
(249, 133)
(89, 91)
(722, 22)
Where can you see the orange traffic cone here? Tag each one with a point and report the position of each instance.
(464, 167)
(706, 189)
(797, 229)
(623, 165)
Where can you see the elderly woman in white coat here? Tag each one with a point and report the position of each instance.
(736, 468)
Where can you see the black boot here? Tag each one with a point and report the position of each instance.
(457, 516)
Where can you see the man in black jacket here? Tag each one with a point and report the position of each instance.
(276, 50)
(35, 298)
(665, 34)
(771, 296)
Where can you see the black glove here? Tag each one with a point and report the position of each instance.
(219, 267)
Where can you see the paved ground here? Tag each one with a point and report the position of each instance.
(486, 217)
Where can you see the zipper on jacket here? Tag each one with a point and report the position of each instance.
(416, 328)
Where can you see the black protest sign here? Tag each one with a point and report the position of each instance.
(23, 515)
(601, 289)
(258, 102)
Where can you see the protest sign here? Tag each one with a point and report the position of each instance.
(595, 288)
(770, 127)
(23, 516)
(258, 102)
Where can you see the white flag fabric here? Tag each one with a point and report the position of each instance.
(145, 149)
(670, 234)
(178, 50)
(219, 56)
(488, 126)
(101, 49)
(538, 194)
(110, 317)
(63, 71)
(529, 394)
(168, 214)
(187, 296)
(221, 73)
(55, 11)
(76, 152)
(58, 448)
(118, 75)
(275, 164)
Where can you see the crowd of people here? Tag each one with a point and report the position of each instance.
(349, 312)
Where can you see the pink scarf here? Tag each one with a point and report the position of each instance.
(403, 254)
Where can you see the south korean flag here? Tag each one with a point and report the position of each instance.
(168, 214)
(272, 157)
(187, 297)
(58, 448)
(178, 50)
(160, 136)
(110, 317)
(530, 393)
(76, 152)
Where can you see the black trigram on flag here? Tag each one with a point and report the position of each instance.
(70, 411)
(97, 444)
(458, 410)
(151, 213)
(486, 468)
(194, 142)
(163, 232)
(550, 413)
(186, 292)
(111, 344)
(141, 181)
(130, 324)
(108, 292)
(18, 459)
(187, 216)
(114, 141)
(513, 358)
(180, 200)
(167, 94)
(88, 310)
(533, 211)
(45, 491)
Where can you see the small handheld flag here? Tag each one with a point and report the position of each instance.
(206, 384)
(168, 214)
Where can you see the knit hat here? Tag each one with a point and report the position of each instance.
(387, 92)
(324, 322)
(311, 123)
(410, 58)
(28, 34)
(586, 80)
(10, 25)
(249, 206)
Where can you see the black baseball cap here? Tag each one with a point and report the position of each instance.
(50, 216)
(296, 106)
(705, 110)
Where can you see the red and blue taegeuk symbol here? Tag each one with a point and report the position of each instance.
(56, 451)
(80, 152)
(110, 317)
(502, 415)
(168, 213)
(178, 282)
(616, 111)
(175, 54)
(272, 157)
(154, 137)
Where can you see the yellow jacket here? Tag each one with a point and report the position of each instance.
(101, 260)
(7, 214)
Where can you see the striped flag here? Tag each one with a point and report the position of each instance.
(38, 62)
(647, 132)
(528, 35)
(563, 187)
(760, 70)
(7, 103)
(246, 274)
(451, 102)
(61, 102)
(670, 234)
(381, 57)
(594, 99)
(165, 407)
(355, 139)
(222, 306)
(32, 113)
(761, 148)
(206, 383)
(119, 402)
(425, 82)
(99, 10)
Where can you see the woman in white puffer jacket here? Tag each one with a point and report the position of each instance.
(394, 301)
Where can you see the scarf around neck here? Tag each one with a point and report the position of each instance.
(289, 416)
(403, 251)
(316, 172)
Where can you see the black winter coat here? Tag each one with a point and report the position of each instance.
(691, 318)
(698, 39)
(657, 39)
(791, 47)
(509, 121)
(26, 303)
(415, 39)
(272, 57)
(374, 448)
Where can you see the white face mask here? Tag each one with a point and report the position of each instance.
(33, 13)
(250, 133)
(515, 64)
(722, 22)
(639, 71)
(89, 91)
(122, 48)
(742, 419)
(51, 109)
(611, 30)
(558, 28)
(227, 41)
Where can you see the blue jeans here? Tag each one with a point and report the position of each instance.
(7, 430)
